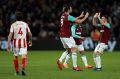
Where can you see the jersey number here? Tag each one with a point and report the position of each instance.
(20, 32)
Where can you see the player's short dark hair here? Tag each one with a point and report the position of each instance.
(19, 15)
(66, 7)
(106, 16)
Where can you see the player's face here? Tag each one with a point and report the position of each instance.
(104, 19)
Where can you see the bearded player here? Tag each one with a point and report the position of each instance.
(66, 38)
(105, 29)
(18, 31)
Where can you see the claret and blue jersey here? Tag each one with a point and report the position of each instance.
(76, 33)
(105, 33)
(66, 21)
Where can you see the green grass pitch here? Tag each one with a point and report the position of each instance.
(42, 65)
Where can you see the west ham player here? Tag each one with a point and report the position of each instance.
(103, 41)
(66, 38)
(19, 30)
(76, 31)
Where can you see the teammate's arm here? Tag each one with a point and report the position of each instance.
(94, 19)
(101, 21)
(81, 20)
(77, 20)
(81, 15)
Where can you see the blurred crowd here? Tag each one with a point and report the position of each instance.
(43, 16)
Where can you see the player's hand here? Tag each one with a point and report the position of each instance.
(82, 14)
(83, 38)
(99, 15)
(96, 15)
(30, 43)
(86, 15)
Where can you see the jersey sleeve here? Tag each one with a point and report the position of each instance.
(73, 31)
(11, 28)
(108, 26)
(99, 25)
(71, 18)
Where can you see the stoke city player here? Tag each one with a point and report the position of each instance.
(18, 31)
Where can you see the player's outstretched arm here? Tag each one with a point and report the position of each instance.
(101, 21)
(82, 19)
(9, 39)
(81, 15)
(94, 19)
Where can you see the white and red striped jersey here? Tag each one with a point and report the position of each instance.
(19, 29)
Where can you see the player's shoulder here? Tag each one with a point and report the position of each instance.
(13, 24)
(23, 23)
(16, 23)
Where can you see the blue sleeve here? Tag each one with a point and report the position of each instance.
(73, 31)
(99, 25)
(108, 26)
(71, 18)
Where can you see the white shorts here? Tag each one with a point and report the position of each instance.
(80, 47)
(101, 47)
(68, 42)
(20, 51)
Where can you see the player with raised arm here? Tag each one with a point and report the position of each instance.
(18, 31)
(66, 38)
(105, 29)
(76, 31)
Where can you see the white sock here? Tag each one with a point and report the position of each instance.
(84, 59)
(74, 59)
(94, 57)
(98, 61)
(67, 59)
(64, 54)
